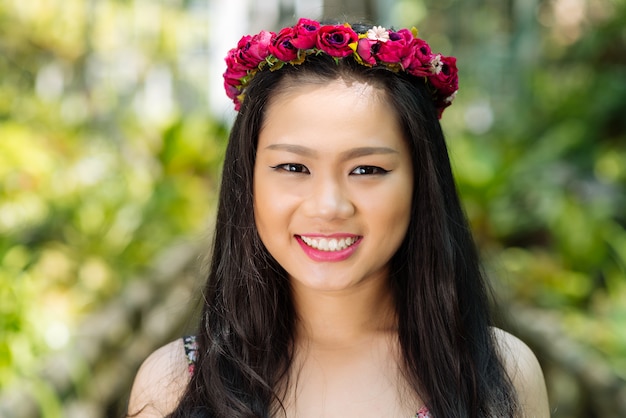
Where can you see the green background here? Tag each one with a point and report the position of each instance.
(109, 166)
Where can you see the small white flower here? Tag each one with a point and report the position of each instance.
(378, 33)
(436, 65)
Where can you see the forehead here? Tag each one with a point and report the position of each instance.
(340, 84)
(335, 113)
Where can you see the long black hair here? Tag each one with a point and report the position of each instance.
(246, 333)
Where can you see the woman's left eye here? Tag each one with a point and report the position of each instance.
(368, 170)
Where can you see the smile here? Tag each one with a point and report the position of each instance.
(329, 244)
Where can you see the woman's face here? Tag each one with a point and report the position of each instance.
(332, 184)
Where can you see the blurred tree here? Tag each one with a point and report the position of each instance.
(107, 155)
(350, 10)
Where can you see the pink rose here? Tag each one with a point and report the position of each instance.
(397, 47)
(335, 40)
(252, 50)
(446, 79)
(366, 48)
(233, 74)
(417, 62)
(232, 92)
(234, 69)
(305, 34)
(281, 47)
(233, 78)
(231, 61)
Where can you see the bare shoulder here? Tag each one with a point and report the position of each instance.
(525, 372)
(160, 382)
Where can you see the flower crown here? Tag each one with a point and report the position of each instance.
(398, 51)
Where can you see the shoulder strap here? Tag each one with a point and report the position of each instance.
(191, 351)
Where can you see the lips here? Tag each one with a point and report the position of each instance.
(329, 248)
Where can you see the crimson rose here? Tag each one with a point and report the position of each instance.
(305, 34)
(335, 40)
(281, 47)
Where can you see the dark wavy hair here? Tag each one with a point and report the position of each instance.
(246, 333)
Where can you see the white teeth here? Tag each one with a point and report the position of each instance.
(332, 244)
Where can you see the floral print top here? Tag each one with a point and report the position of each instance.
(191, 353)
(422, 413)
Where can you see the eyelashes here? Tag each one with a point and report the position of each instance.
(292, 168)
(368, 170)
(362, 170)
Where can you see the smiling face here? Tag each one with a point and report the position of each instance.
(333, 183)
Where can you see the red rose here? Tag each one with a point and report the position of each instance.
(231, 61)
(281, 47)
(446, 77)
(252, 50)
(305, 34)
(335, 40)
(417, 62)
(233, 67)
(396, 48)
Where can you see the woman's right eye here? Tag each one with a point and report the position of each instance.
(292, 168)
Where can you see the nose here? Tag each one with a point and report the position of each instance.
(328, 200)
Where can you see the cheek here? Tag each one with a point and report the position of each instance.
(272, 209)
(392, 210)
(396, 215)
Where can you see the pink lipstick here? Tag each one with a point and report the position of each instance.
(328, 248)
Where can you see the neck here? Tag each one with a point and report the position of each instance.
(346, 317)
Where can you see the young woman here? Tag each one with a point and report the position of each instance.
(344, 280)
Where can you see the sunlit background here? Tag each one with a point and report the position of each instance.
(112, 130)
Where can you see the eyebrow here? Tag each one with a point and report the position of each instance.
(346, 155)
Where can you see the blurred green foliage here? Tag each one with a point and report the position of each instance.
(545, 183)
(107, 155)
(92, 184)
